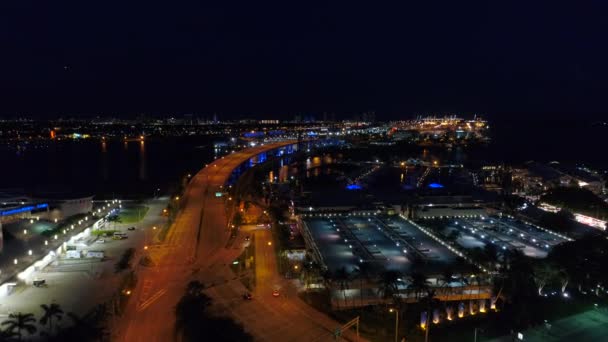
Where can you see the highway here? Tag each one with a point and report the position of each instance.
(195, 249)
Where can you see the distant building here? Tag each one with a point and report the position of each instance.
(496, 178)
(368, 117)
(446, 206)
(268, 122)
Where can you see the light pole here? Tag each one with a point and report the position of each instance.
(396, 311)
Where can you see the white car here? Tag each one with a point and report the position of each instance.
(101, 241)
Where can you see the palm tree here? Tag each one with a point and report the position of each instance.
(310, 272)
(19, 322)
(7, 335)
(418, 283)
(114, 219)
(544, 273)
(195, 288)
(430, 302)
(388, 284)
(357, 273)
(564, 278)
(362, 272)
(91, 325)
(190, 308)
(51, 312)
(327, 275)
(490, 255)
(445, 279)
(341, 277)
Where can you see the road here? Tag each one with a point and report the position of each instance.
(195, 249)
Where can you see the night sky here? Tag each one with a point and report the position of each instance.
(528, 59)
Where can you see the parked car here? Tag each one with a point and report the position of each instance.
(39, 283)
(101, 241)
(131, 228)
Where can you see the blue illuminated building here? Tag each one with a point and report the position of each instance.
(354, 186)
(24, 209)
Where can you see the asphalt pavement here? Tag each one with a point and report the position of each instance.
(196, 249)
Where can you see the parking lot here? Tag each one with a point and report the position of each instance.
(505, 233)
(386, 242)
(78, 284)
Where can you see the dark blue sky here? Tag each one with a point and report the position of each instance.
(501, 58)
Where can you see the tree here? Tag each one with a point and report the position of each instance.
(429, 302)
(544, 273)
(91, 327)
(114, 219)
(194, 323)
(445, 279)
(418, 283)
(7, 335)
(563, 277)
(237, 220)
(582, 261)
(310, 272)
(490, 252)
(20, 322)
(342, 278)
(362, 272)
(190, 308)
(388, 284)
(518, 290)
(51, 312)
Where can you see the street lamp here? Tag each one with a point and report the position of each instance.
(29, 252)
(396, 311)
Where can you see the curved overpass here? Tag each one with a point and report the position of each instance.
(195, 249)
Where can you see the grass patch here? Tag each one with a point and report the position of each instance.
(102, 232)
(132, 214)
